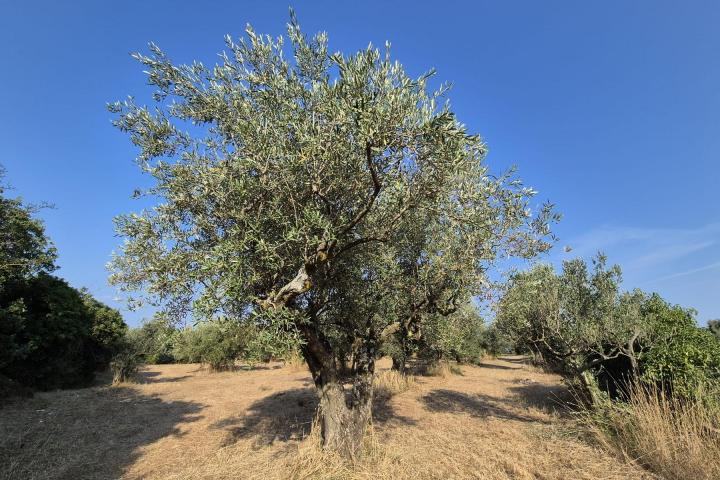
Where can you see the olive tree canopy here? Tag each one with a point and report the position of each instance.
(317, 195)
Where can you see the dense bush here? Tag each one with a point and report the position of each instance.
(54, 336)
(714, 327)
(676, 353)
(217, 343)
(107, 330)
(51, 335)
(154, 341)
(125, 363)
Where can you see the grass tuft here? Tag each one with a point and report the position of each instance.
(443, 370)
(388, 383)
(673, 437)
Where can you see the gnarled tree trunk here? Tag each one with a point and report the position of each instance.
(344, 415)
(345, 408)
(590, 391)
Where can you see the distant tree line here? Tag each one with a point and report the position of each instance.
(218, 343)
(222, 342)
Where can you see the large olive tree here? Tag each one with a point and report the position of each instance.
(286, 186)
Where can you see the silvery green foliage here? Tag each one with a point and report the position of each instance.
(576, 319)
(578, 322)
(317, 193)
(460, 336)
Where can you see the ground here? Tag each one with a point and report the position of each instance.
(499, 420)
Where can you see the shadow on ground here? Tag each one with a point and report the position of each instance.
(547, 398)
(155, 377)
(476, 405)
(288, 415)
(85, 434)
(497, 367)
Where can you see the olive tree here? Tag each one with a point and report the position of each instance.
(577, 321)
(285, 184)
(443, 256)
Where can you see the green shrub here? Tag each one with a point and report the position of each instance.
(54, 336)
(107, 331)
(217, 343)
(51, 335)
(154, 341)
(714, 327)
(677, 353)
(187, 347)
(124, 366)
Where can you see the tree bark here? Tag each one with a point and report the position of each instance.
(590, 389)
(344, 416)
(345, 408)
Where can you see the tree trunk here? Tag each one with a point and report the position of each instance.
(590, 388)
(398, 363)
(345, 408)
(344, 416)
(400, 358)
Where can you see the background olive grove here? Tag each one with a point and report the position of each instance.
(580, 323)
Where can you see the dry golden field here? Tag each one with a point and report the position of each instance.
(499, 420)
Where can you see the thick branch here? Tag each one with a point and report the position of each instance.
(358, 242)
(297, 286)
(371, 199)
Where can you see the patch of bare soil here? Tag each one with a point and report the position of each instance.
(499, 420)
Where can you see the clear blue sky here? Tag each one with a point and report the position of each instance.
(610, 109)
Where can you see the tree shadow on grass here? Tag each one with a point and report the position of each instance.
(288, 415)
(146, 376)
(516, 359)
(475, 405)
(497, 367)
(556, 399)
(92, 433)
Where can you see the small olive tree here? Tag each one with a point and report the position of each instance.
(286, 186)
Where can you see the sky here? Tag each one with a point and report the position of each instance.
(608, 109)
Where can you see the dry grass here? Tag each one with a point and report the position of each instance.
(388, 383)
(677, 439)
(443, 369)
(296, 363)
(496, 421)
